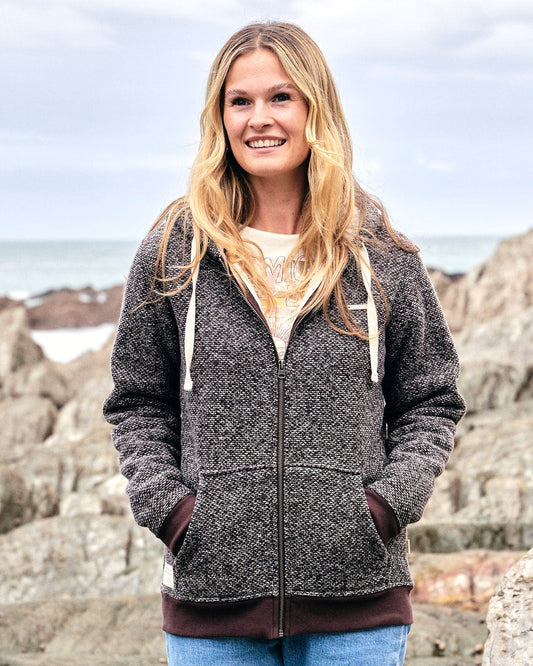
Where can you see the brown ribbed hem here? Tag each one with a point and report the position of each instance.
(310, 615)
(253, 618)
(258, 618)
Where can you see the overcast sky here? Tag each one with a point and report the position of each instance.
(101, 101)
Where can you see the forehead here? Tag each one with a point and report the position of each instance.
(254, 69)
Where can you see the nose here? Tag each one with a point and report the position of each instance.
(260, 116)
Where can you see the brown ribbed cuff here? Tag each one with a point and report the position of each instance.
(383, 516)
(175, 527)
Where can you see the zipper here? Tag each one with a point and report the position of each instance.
(281, 491)
(280, 458)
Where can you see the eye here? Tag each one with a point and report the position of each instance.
(282, 97)
(238, 101)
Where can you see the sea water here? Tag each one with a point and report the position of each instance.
(30, 268)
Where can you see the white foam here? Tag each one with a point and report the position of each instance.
(66, 344)
(18, 295)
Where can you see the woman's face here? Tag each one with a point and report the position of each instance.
(264, 116)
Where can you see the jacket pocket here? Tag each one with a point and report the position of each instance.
(230, 550)
(332, 546)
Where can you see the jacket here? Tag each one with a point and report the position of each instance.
(282, 489)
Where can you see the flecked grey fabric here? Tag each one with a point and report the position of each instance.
(342, 432)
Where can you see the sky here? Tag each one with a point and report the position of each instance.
(99, 119)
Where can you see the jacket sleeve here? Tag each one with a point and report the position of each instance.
(144, 404)
(422, 404)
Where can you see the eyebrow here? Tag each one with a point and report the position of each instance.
(270, 91)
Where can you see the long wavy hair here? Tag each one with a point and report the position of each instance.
(221, 200)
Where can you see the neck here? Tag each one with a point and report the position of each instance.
(278, 205)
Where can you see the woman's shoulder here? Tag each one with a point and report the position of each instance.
(171, 230)
(394, 258)
(381, 238)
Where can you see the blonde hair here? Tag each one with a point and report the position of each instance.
(220, 197)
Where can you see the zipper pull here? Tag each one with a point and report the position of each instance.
(281, 369)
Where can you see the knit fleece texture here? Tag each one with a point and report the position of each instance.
(340, 434)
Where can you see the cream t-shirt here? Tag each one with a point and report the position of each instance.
(275, 249)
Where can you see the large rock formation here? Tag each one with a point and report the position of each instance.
(500, 286)
(17, 348)
(484, 499)
(510, 618)
(74, 308)
(490, 311)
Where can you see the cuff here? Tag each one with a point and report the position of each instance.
(383, 516)
(174, 529)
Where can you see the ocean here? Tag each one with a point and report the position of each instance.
(29, 268)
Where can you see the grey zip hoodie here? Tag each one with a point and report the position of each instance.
(281, 463)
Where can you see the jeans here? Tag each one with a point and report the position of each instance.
(382, 646)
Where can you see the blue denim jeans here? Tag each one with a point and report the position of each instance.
(383, 646)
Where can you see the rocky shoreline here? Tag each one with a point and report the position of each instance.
(79, 581)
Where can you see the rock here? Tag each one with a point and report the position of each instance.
(76, 463)
(92, 365)
(77, 632)
(7, 303)
(114, 498)
(502, 285)
(75, 308)
(464, 579)
(16, 346)
(484, 499)
(42, 379)
(28, 419)
(491, 384)
(80, 556)
(15, 504)
(445, 636)
(81, 504)
(85, 409)
(510, 618)
(442, 281)
(497, 361)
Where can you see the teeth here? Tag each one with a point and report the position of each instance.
(266, 143)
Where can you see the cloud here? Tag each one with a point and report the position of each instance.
(455, 33)
(42, 152)
(444, 166)
(89, 23)
(37, 24)
(502, 41)
(206, 10)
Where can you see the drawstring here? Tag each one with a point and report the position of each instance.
(371, 313)
(190, 322)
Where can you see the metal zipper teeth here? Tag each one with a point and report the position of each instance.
(281, 493)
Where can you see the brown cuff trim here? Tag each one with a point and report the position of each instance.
(383, 516)
(176, 524)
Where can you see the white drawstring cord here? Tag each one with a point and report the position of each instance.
(190, 323)
(372, 315)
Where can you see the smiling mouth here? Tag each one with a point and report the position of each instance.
(265, 143)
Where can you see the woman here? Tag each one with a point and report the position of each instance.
(285, 382)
